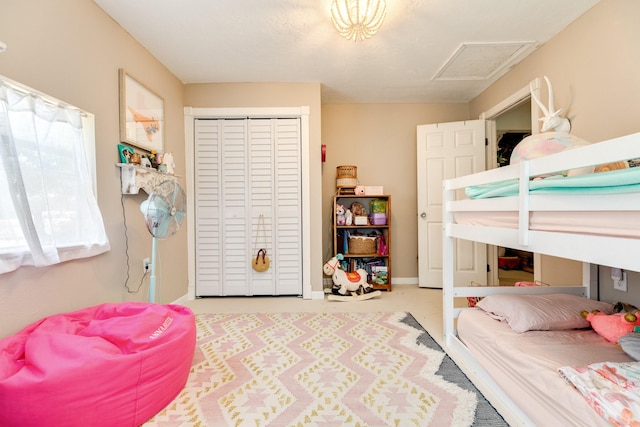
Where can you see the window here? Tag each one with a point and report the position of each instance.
(48, 210)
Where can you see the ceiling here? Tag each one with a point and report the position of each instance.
(426, 51)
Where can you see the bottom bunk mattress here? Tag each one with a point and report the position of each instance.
(525, 365)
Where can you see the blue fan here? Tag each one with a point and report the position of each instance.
(163, 211)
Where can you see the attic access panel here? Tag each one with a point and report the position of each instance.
(481, 61)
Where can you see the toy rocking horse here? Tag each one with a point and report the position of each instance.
(348, 286)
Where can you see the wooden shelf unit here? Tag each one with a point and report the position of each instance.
(364, 260)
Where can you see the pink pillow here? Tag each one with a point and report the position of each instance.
(545, 312)
(108, 365)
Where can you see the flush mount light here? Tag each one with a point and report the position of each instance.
(358, 19)
(3, 47)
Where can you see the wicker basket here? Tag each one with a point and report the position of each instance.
(347, 172)
(362, 245)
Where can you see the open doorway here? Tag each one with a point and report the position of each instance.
(507, 123)
(513, 126)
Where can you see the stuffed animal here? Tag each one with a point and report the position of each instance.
(346, 282)
(612, 326)
(348, 217)
(341, 218)
(357, 209)
(554, 137)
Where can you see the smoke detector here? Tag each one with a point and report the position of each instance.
(3, 47)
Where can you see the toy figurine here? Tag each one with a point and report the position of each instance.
(341, 218)
(348, 286)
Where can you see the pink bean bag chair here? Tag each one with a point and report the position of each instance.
(109, 365)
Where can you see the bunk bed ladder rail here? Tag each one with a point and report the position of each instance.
(524, 204)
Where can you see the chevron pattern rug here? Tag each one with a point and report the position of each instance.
(323, 369)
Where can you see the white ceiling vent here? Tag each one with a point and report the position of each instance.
(482, 61)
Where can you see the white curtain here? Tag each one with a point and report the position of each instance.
(48, 212)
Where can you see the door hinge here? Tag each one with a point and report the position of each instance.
(486, 142)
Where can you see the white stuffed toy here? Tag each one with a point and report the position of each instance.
(554, 137)
(348, 217)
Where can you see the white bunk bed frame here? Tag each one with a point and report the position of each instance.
(592, 250)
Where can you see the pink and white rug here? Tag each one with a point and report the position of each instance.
(322, 369)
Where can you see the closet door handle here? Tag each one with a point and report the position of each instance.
(423, 215)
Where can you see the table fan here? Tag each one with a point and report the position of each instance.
(163, 211)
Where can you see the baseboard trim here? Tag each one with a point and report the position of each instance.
(182, 300)
(316, 295)
(319, 295)
(404, 281)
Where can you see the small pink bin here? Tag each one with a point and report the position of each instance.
(377, 218)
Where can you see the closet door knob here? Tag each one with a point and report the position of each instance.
(423, 215)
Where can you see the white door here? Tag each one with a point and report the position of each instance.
(447, 150)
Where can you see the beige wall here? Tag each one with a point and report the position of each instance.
(594, 67)
(72, 50)
(263, 95)
(380, 139)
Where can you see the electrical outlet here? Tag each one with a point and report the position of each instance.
(620, 283)
(146, 265)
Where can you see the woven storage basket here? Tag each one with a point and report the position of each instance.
(362, 245)
(347, 172)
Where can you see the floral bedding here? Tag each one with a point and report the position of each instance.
(611, 388)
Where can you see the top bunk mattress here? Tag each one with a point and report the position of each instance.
(608, 219)
(621, 181)
(525, 366)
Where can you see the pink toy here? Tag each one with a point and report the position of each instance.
(613, 326)
(341, 218)
(107, 365)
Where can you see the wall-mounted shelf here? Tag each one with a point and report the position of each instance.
(134, 178)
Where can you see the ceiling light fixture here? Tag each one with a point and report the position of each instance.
(358, 19)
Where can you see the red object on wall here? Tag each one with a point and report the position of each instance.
(324, 153)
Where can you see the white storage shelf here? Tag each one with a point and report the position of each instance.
(134, 178)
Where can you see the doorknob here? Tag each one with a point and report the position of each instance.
(423, 215)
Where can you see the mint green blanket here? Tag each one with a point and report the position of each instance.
(611, 182)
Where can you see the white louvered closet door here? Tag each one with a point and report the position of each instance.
(246, 168)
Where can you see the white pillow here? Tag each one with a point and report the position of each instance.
(630, 343)
(549, 312)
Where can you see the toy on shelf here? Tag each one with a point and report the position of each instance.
(351, 286)
(348, 217)
(341, 217)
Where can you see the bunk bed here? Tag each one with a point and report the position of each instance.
(512, 207)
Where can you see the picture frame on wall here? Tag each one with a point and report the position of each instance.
(141, 115)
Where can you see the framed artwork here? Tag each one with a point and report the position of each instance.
(141, 115)
(125, 153)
